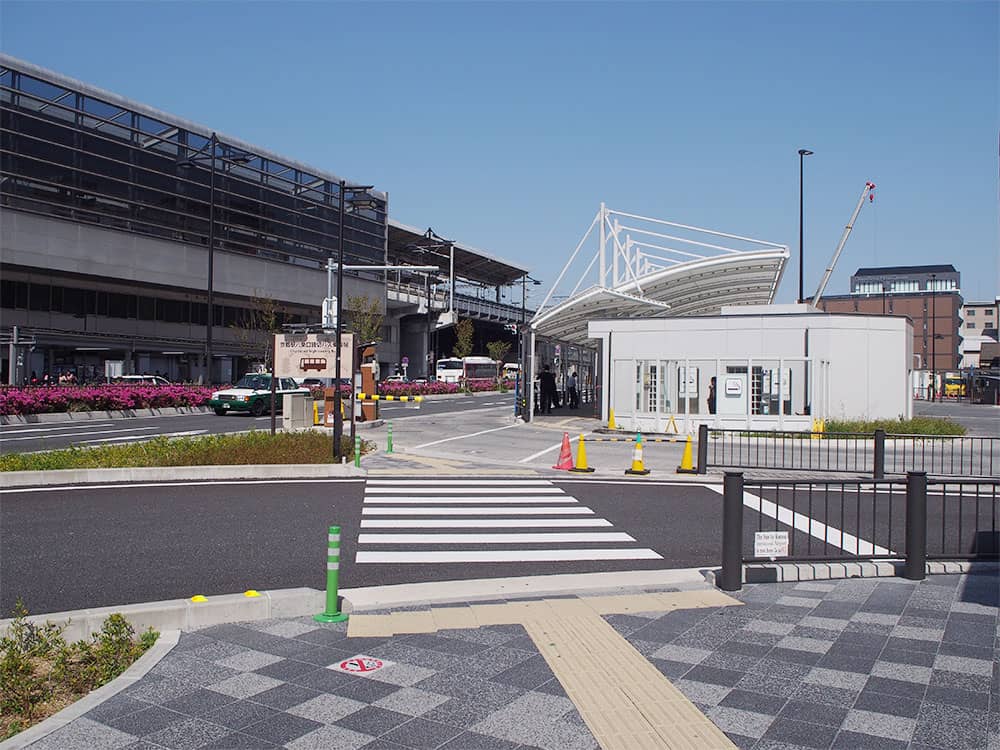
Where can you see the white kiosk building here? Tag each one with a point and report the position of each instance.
(687, 335)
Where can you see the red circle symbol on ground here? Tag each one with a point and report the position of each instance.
(361, 664)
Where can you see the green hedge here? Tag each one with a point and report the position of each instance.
(255, 447)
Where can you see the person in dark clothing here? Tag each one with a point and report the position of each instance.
(711, 396)
(574, 394)
(547, 382)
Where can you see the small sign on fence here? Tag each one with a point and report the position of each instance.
(770, 544)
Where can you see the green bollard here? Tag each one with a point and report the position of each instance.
(357, 451)
(331, 613)
(388, 443)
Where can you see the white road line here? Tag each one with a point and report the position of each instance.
(459, 482)
(417, 500)
(78, 434)
(124, 438)
(513, 555)
(512, 538)
(551, 448)
(829, 534)
(458, 490)
(484, 511)
(483, 523)
(463, 437)
(240, 482)
(8, 428)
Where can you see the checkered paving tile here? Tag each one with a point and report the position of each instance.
(859, 663)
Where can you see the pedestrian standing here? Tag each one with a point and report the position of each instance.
(574, 395)
(547, 381)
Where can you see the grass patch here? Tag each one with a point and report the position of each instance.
(255, 447)
(41, 674)
(915, 426)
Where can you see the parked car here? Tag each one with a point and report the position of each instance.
(253, 394)
(140, 380)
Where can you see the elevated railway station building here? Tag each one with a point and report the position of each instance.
(132, 236)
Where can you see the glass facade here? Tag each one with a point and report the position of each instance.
(68, 154)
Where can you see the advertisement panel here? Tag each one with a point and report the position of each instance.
(312, 355)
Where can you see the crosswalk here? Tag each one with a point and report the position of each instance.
(484, 520)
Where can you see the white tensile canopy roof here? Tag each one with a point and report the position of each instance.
(637, 276)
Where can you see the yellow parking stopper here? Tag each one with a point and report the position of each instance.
(199, 598)
(251, 593)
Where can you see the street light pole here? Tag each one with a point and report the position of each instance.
(214, 141)
(933, 338)
(803, 152)
(338, 418)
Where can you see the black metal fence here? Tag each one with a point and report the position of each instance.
(857, 521)
(877, 453)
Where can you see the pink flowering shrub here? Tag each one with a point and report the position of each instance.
(475, 385)
(64, 398)
(431, 388)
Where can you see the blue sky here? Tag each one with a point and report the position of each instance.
(504, 125)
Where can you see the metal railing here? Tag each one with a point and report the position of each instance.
(858, 520)
(877, 453)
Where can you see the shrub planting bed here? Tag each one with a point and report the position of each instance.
(74, 398)
(41, 674)
(915, 426)
(255, 447)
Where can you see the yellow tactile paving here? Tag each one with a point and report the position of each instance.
(368, 626)
(636, 706)
(412, 622)
(493, 614)
(454, 618)
(623, 604)
(624, 700)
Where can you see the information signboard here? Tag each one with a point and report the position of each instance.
(312, 355)
(770, 544)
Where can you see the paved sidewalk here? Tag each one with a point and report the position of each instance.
(858, 663)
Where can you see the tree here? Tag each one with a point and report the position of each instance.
(366, 318)
(464, 331)
(498, 350)
(254, 330)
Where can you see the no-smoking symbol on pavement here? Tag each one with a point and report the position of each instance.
(360, 664)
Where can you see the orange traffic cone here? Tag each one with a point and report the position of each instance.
(565, 455)
(637, 467)
(687, 463)
(581, 458)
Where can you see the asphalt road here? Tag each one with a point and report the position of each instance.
(26, 438)
(978, 419)
(68, 548)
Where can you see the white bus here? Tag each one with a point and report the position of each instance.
(455, 370)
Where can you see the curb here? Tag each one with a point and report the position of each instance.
(86, 416)
(23, 479)
(167, 640)
(486, 589)
(184, 614)
(823, 571)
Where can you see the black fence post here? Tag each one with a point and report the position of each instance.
(916, 526)
(731, 575)
(878, 465)
(702, 448)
